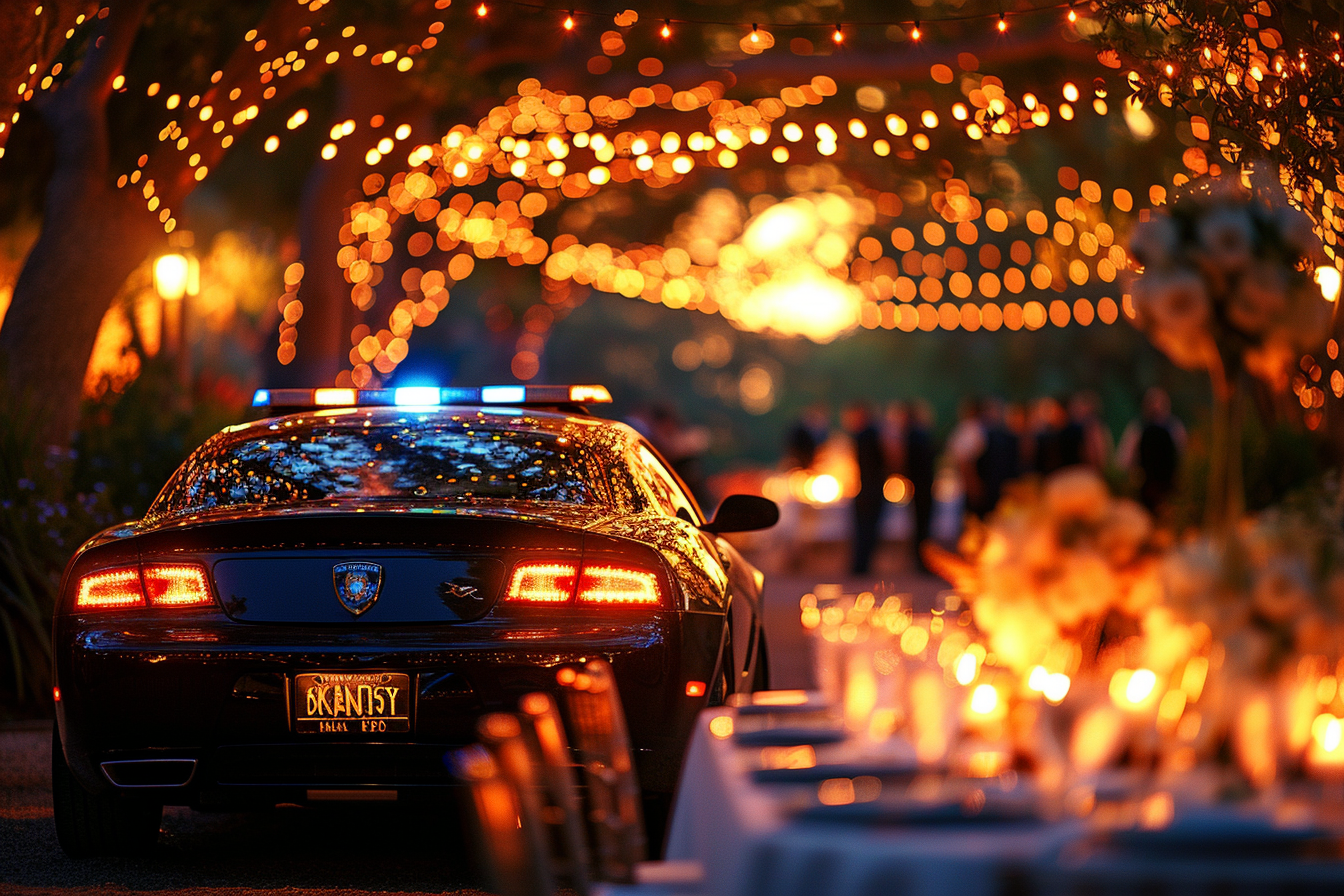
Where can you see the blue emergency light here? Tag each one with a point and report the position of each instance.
(430, 396)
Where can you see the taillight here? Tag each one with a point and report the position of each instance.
(542, 583)
(618, 585)
(176, 585)
(110, 589)
(161, 585)
(595, 585)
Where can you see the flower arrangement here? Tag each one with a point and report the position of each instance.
(1227, 284)
(1275, 593)
(1059, 571)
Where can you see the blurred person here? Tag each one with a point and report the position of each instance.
(1084, 439)
(920, 465)
(806, 436)
(1047, 423)
(998, 464)
(895, 423)
(965, 445)
(1018, 421)
(868, 503)
(1151, 448)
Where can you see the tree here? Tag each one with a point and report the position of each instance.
(108, 202)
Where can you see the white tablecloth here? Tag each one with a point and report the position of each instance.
(750, 845)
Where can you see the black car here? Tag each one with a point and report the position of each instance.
(318, 606)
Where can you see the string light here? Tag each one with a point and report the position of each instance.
(666, 32)
(755, 35)
(481, 11)
(1003, 23)
(838, 36)
(915, 33)
(1073, 15)
(569, 21)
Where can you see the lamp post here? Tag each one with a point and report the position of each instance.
(177, 275)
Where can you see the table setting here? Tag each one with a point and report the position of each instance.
(923, 765)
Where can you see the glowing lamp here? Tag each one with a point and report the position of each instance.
(1133, 689)
(984, 699)
(172, 273)
(823, 489)
(1328, 279)
(695, 689)
(966, 669)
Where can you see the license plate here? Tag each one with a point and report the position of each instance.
(358, 703)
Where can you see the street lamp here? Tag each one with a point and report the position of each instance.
(176, 276)
(1328, 279)
(171, 275)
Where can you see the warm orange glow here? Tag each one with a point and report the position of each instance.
(1003, 24)
(838, 36)
(695, 689)
(481, 11)
(617, 585)
(176, 585)
(915, 33)
(721, 727)
(333, 397)
(110, 590)
(584, 394)
(569, 22)
(542, 583)
(984, 699)
(171, 273)
(666, 30)
(56, 695)
(966, 669)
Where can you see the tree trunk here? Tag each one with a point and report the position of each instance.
(92, 238)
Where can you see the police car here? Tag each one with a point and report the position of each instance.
(320, 604)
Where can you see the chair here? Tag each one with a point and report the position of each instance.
(513, 839)
(562, 813)
(598, 732)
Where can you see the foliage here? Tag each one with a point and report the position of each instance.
(1251, 78)
(41, 522)
(130, 444)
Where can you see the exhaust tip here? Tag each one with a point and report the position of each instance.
(133, 773)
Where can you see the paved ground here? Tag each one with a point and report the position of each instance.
(368, 849)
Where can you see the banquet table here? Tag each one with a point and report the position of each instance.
(758, 835)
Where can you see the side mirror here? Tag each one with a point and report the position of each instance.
(743, 513)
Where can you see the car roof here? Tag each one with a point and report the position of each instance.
(495, 416)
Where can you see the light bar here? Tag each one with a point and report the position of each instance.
(429, 396)
(334, 397)
(415, 395)
(503, 394)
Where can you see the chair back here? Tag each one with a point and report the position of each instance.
(602, 744)
(562, 810)
(513, 839)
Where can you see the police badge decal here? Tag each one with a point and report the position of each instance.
(357, 585)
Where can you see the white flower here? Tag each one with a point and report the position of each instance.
(1259, 299)
(1175, 310)
(1227, 238)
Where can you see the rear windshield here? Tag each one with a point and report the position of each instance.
(435, 457)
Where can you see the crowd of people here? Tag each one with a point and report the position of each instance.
(992, 444)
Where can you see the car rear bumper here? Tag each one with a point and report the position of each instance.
(214, 697)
